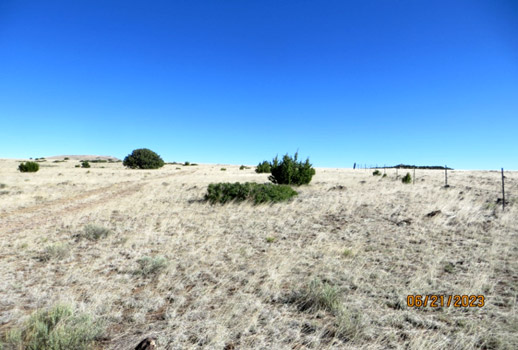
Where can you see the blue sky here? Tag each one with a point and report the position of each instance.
(376, 82)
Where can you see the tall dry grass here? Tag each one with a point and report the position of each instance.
(351, 247)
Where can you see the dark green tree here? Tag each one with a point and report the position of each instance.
(29, 167)
(289, 171)
(263, 167)
(143, 158)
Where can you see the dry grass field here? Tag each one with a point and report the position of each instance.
(142, 252)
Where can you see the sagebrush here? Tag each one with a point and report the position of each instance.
(57, 328)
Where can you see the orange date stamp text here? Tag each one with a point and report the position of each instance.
(434, 300)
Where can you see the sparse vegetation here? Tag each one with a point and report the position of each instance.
(263, 167)
(238, 273)
(29, 167)
(407, 178)
(85, 164)
(57, 328)
(151, 266)
(289, 171)
(257, 193)
(242, 167)
(143, 158)
(347, 252)
(94, 232)
(319, 295)
(376, 173)
(56, 251)
(223, 169)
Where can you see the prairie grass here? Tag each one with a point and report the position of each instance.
(57, 328)
(350, 246)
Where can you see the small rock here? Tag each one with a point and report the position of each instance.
(433, 213)
(147, 344)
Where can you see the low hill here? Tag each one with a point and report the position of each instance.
(85, 157)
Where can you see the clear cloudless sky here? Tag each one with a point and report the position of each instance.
(366, 81)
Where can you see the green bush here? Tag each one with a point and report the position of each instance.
(94, 232)
(407, 179)
(223, 169)
(85, 164)
(77, 166)
(56, 251)
(149, 266)
(57, 328)
(376, 173)
(258, 193)
(263, 167)
(243, 167)
(29, 167)
(290, 172)
(143, 158)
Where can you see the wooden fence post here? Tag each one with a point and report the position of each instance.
(445, 176)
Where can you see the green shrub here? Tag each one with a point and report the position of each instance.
(318, 295)
(186, 164)
(85, 164)
(384, 175)
(56, 251)
(66, 158)
(151, 266)
(290, 172)
(143, 158)
(376, 173)
(263, 167)
(77, 166)
(223, 169)
(57, 328)
(242, 167)
(258, 193)
(29, 167)
(94, 232)
(407, 179)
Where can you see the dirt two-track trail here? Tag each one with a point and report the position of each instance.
(47, 213)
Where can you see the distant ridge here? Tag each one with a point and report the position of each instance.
(406, 166)
(85, 157)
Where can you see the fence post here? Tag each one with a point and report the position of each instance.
(445, 176)
(503, 190)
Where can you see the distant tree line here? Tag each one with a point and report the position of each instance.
(431, 167)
